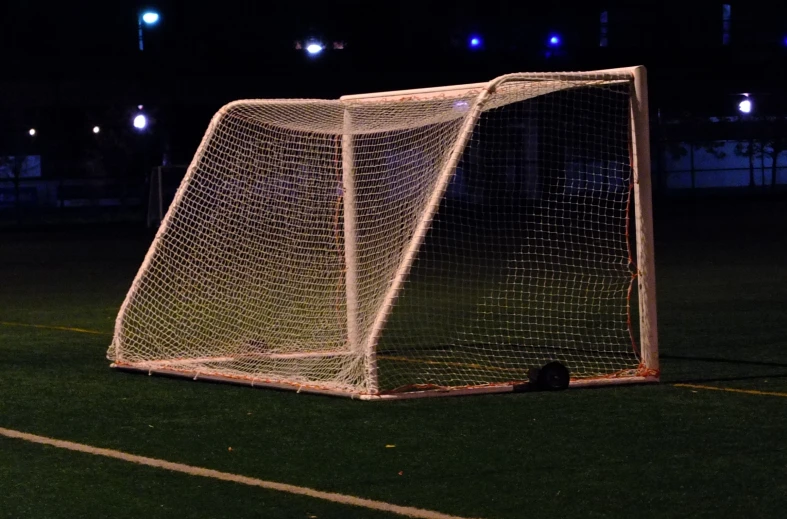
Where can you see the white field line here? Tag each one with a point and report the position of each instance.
(332, 497)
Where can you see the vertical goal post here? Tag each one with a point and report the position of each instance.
(351, 265)
(343, 122)
(646, 271)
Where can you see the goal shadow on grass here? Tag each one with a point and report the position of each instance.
(724, 360)
(728, 361)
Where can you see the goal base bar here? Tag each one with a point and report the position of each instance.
(155, 364)
(299, 388)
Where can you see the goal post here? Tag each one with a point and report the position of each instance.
(646, 275)
(350, 259)
(436, 241)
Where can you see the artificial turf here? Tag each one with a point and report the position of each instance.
(645, 451)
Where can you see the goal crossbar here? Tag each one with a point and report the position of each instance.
(616, 74)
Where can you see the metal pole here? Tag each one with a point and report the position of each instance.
(139, 24)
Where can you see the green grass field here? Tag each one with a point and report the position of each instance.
(667, 450)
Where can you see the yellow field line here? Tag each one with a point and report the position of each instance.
(385, 357)
(191, 470)
(733, 390)
(60, 328)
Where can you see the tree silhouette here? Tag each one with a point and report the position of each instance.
(755, 137)
(768, 139)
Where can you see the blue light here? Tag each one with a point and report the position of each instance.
(314, 48)
(554, 40)
(150, 17)
(475, 42)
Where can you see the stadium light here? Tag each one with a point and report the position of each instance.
(140, 122)
(475, 42)
(31, 132)
(314, 48)
(745, 106)
(148, 17)
(96, 129)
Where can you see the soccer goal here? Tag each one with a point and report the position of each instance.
(438, 241)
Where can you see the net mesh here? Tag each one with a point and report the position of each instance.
(525, 258)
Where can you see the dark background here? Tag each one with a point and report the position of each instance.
(72, 65)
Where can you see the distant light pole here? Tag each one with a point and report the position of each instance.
(745, 106)
(314, 47)
(140, 122)
(148, 18)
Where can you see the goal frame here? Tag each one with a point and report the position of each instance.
(643, 230)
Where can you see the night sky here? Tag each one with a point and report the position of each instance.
(90, 29)
(75, 59)
(406, 42)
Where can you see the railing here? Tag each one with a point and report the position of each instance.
(37, 200)
(687, 166)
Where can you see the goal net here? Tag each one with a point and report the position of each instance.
(433, 241)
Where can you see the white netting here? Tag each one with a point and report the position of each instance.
(526, 259)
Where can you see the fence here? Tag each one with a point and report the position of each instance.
(719, 165)
(678, 168)
(70, 200)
